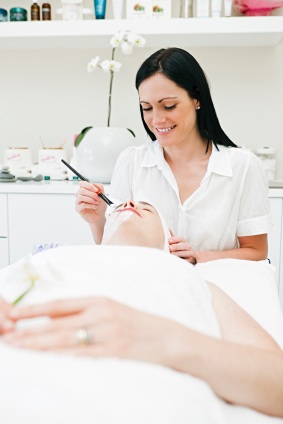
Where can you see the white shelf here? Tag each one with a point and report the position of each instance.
(192, 32)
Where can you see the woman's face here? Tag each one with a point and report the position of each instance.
(134, 224)
(168, 110)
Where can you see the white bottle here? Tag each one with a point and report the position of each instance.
(201, 8)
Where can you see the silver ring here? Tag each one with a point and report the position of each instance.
(83, 336)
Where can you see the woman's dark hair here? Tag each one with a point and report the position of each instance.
(181, 67)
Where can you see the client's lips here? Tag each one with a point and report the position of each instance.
(131, 210)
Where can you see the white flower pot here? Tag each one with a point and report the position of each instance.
(98, 151)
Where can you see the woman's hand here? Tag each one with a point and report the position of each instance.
(113, 330)
(88, 204)
(6, 323)
(179, 246)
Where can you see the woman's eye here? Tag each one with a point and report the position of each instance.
(170, 107)
(146, 109)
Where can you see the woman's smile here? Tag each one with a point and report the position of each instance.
(165, 130)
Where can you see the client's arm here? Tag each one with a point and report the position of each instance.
(5, 322)
(245, 368)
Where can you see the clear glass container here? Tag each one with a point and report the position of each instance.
(267, 155)
(72, 10)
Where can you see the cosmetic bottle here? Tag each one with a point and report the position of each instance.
(35, 12)
(46, 12)
(100, 9)
(201, 8)
(117, 7)
(186, 8)
(215, 8)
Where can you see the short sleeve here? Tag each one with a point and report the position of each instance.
(254, 213)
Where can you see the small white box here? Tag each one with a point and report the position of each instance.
(51, 157)
(137, 9)
(161, 9)
(17, 157)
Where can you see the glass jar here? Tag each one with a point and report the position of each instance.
(72, 10)
(18, 14)
(267, 156)
(3, 15)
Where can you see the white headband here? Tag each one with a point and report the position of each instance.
(166, 231)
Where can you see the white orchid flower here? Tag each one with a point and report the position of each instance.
(140, 41)
(126, 47)
(117, 38)
(126, 40)
(135, 39)
(110, 65)
(93, 64)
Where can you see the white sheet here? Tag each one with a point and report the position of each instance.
(43, 388)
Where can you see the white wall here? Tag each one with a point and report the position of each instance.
(50, 95)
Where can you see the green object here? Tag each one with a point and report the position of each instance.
(81, 135)
(3, 15)
(83, 132)
(18, 14)
(46, 178)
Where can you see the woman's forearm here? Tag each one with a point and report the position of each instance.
(97, 230)
(252, 248)
(240, 253)
(239, 374)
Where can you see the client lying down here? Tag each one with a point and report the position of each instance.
(143, 304)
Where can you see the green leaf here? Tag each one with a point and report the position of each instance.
(81, 135)
(132, 132)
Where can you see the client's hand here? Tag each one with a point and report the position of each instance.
(179, 246)
(98, 327)
(5, 323)
(88, 204)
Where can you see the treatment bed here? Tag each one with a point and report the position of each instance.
(45, 388)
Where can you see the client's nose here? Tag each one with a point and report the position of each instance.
(129, 204)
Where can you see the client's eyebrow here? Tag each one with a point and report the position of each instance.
(139, 202)
(147, 204)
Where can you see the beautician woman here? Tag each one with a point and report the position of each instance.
(213, 195)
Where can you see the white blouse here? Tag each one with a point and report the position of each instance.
(232, 200)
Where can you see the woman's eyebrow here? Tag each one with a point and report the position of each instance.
(161, 100)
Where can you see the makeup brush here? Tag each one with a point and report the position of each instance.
(106, 200)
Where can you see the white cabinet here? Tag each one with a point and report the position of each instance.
(3, 215)
(275, 239)
(4, 256)
(43, 218)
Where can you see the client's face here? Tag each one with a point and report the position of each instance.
(134, 224)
